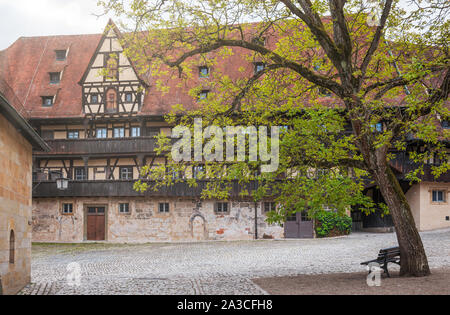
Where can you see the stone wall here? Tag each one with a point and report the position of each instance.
(187, 220)
(15, 207)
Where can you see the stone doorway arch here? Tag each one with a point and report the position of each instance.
(197, 224)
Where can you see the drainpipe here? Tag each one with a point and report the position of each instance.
(256, 220)
(256, 210)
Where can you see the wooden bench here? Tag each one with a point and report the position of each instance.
(386, 256)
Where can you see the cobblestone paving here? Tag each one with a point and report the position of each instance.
(209, 267)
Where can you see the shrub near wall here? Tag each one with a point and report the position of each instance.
(329, 224)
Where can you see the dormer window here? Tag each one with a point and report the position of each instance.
(259, 66)
(55, 77)
(61, 55)
(261, 41)
(203, 71)
(203, 95)
(47, 101)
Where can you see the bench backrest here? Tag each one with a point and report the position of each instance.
(387, 253)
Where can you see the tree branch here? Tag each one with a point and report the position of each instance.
(375, 41)
(277, 59)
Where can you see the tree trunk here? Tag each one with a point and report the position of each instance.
(413, 258)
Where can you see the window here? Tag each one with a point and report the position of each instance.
(259, 66)
(73, 134)
(203, 72)
(446, 124)
(128, 97)
(304, 216)
(101, 133)
(80, 173)
(135, 131)
(203, 95)
(259, 41)
(67, 208)
(177, 175)
(124, 208)
(270, 206)
(291, 218)
(61, 55)
(119, 132)
(112, 66)
(12, 247)
(126, 173)
(439, 195)
(198, 170)
(94, 99)
(111, 100)
(378, 127)
(153, 131)
(164, 207)
(47, 101)
(47, 134)
(55, 77)
(222, 207)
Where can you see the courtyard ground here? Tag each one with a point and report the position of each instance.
(246, 267)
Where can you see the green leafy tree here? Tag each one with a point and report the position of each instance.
(353, 80)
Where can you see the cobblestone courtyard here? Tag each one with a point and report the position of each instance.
(210, 267)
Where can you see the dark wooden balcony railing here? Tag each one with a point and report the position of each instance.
(100, 146)
(403, 165)
(121, 188)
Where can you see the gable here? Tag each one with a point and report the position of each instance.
(108, 47)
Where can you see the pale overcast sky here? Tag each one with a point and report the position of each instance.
(47, 17)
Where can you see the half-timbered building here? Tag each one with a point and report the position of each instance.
(99, 116)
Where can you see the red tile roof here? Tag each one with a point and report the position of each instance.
(25, 67)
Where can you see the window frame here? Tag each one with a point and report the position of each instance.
(68, 211)
(12, 247)
(122, 133)
(259, 64)
(48, 98)
(129, 171)
(165, 207)
(203, 92)
(97, 99)
(437, 190)
(218, 208)
(128, 94)
(85, 175)
(103, 129)
(58, 57)
(77, 132)
(201, 74)
(269, 204)
(123, 204)
(53, 75)
(195, 171)
(134, 134)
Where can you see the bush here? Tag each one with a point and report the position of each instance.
(329, 224)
